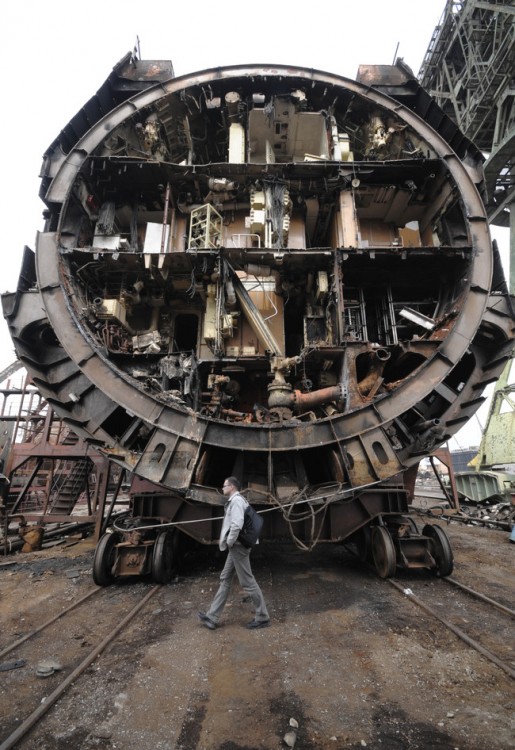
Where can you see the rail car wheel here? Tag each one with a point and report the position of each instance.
(164, 557)
(440, 549)
(104, 559)
(383, 552)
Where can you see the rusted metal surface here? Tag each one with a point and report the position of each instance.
(476, 89)
(47, 469)
(276, 273)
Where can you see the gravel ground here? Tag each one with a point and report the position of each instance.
(348, 662)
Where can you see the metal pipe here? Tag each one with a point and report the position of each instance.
(165, 217)
(15, 544)
(306, 401)
(255, 318)
(378, 359)
(426, 425)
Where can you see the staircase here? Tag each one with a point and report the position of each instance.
(70, 481)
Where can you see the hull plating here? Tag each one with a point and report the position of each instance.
(276, 273)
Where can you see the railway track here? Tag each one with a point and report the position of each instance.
(326, 621)
(81, 664)
(492, 641)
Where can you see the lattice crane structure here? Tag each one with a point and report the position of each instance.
(469, 69)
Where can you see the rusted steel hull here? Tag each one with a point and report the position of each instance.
(271, 272)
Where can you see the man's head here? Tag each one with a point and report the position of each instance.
(231, 485)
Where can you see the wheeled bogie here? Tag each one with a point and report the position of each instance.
(395, 543)
(141, 551)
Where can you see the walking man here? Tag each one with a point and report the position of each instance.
(238, 561)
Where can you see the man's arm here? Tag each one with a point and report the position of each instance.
(237, 511)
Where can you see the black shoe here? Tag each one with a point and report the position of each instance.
(204, 619)
(257, 624)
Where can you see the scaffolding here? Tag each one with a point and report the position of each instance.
(48, 475)
(469, 69)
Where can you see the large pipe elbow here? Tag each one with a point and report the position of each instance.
(305, 401)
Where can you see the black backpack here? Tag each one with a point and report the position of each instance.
(252, 525)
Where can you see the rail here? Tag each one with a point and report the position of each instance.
(42, 709)
(454, 629)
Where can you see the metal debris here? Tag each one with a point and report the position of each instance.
(47, 667)
(15, 664)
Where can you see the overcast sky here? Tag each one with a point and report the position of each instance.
(55, 54)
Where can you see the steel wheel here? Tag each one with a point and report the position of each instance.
(164, 556)
(383, 552)
(104, 559)
(441, 550)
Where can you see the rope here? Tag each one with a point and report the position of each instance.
(289, 508)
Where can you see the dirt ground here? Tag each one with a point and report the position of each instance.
(350, 660)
